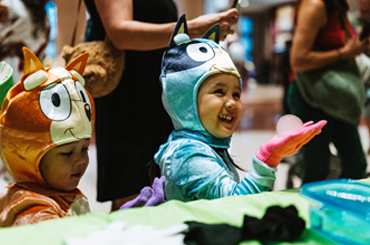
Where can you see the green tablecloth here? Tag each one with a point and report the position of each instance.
(228, 210)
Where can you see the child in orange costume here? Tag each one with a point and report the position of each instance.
(46, 123)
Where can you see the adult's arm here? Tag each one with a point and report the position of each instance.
(311, 17)
(126, 33)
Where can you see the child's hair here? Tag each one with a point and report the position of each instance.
(153, 171)
(217, 150)
(47, 108)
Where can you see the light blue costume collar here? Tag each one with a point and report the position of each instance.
(182, 134)
(203, 137)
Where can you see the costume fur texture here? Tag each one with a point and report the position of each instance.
(104, 67)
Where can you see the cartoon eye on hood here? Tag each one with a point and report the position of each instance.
(47, 108)
(185, 65)
(55, 101)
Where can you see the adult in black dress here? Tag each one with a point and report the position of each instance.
(131, 122)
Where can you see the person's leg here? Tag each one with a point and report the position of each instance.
(366, 115)
(350, 151)
(316, 157)
(316, 153)
(367, 123)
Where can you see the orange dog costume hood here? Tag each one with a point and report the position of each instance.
(48, 107)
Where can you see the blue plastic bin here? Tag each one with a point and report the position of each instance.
(340, 210)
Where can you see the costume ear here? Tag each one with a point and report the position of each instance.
(180, 28)
(213, 34)
(78, 64)
(34, 71)
(31, 62)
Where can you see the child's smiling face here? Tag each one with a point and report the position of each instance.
(219, 105)
(63, 166)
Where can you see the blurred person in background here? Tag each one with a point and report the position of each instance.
(318, 27)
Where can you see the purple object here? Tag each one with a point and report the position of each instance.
(149, 196)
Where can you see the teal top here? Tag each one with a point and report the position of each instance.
(194, 170)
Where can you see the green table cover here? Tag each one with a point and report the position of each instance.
(6, 80)
(228, 210)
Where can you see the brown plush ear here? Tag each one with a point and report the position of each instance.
(67, 53)
(31, 62)
(78, 64)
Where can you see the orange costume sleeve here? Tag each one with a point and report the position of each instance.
(20, 206)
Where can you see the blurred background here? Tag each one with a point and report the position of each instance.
(259, 48)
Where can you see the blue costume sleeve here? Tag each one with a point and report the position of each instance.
(259, 178)
(196, 172)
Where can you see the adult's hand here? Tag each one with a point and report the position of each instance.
(353, 47)
(200, 25)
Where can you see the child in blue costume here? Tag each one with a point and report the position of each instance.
(201, 93)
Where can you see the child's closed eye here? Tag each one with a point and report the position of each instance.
(236, 95)
(67, 153)
(218, 91)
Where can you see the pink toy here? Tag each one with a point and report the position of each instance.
(288, 124)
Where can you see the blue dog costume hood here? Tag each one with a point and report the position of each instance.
(185, 65)
(196, 164)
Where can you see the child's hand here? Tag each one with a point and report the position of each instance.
(274, 150)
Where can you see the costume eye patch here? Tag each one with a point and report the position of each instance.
(200, 52)
(187, 56)
(84, 97)
(82, 92)
(55, 102)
